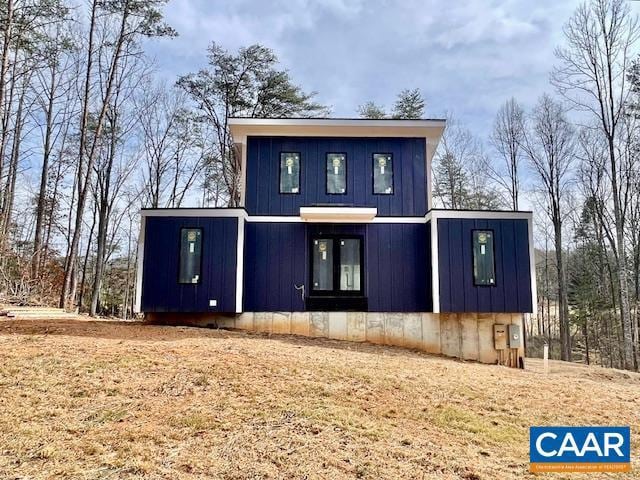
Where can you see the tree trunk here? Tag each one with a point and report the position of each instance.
(84, 180)
(42, 193)
(125, 300)
(563, 303)
(10, 187)
(621, 258)
(50, 215)
(84, 119)
(86, 258)
(4, 68)
(100, 255)
(585, 332)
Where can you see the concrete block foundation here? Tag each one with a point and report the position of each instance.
(468, 336)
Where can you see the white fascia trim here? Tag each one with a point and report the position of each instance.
(480, 214)
(274, 219)
(435, 264)
(532, 267)
(294, 219)
(398, 220)
(338, 214)
(431, 130)
(137, 307)
(342, 211)
(240, 265)
(195, 212)
(241, 144)
(336, 122)
(429, 177)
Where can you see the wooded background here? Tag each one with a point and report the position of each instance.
(89, 135)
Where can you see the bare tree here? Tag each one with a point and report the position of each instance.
(506, 138)
(592, 75)
(171, 136)
(123, 23)
(114, 166)
(459, 178)
(549, 146)
(54, 90)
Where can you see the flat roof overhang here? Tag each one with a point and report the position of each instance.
(431, 129)
(338, 214)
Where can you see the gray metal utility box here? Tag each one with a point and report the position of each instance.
(515, 338)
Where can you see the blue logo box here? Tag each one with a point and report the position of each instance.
(580, 449)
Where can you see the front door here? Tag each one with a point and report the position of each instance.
(337, 273)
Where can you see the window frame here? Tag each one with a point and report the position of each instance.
(282, 152)
(336, 292)
(180, 255)
(346, 173)
(373, 173)
(493, 254)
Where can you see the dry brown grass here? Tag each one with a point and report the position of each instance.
(109, 400)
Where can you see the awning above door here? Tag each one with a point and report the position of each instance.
(330, 214)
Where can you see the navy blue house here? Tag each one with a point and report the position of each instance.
(337, 237)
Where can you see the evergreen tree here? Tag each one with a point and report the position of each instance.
(248, 83)
(371, 110)
(409, 105)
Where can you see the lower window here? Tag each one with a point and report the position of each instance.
(190, 255)
(484, 271)
(336, 266)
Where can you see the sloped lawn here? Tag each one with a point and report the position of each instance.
(83, 399)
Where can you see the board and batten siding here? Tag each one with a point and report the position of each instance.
(161, 291)
(512, 291)
(263, 195)
(396, 265)
(275, 260)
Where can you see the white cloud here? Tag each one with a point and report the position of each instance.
(466, 56)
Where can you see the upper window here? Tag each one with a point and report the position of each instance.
(190, 255)
(383, 173)
(289, 172)
(336, 173)
(483, 258)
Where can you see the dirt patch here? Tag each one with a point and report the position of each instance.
(109, 400)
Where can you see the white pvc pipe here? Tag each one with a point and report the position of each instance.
(546, 359)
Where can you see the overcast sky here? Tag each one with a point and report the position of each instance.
(466, 56)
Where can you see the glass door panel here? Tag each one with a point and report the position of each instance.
(323, 264)
(349, 264)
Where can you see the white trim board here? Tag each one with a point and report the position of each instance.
(338, 214)
(240, 265)
(431, 132)
(435, 265)
(480, 214)
(335, 122)
(137, 307)
(194, 212)
(241, 213)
